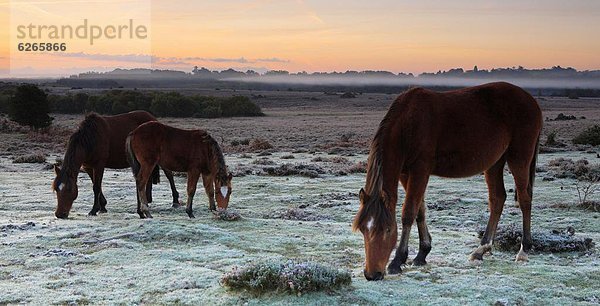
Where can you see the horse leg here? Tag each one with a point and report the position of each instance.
(169, 176)
(142, 180)
(520, 172)
(415, 191)
(90, 172)
(149, 192)
(98, 173)
(424, 237)
(102, 203)
(193, 177)
(494, 177)
(207, 181)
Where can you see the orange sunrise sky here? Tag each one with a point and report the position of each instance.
(297, 35)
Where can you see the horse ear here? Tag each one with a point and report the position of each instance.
(56, 170)
(362, 195)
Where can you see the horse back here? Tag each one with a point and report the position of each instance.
(464, 132)
(113, 131)
(174, 149)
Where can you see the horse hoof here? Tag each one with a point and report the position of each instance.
(92, 213)
(419, 262)
(103, 211)
(176, 205)
(476, 257)
(392, 269)
(191, 215)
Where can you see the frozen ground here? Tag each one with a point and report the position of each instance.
(118, 258)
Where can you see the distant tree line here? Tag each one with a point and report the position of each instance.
(29, 105)
(161, 104)
(556, 72)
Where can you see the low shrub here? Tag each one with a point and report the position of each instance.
(563, 117)
(311, 171)
(296, 214)
(348, 95)
(30, 159)
(260, 145)
(508, 238)
(567, 168)
(8, 126)
(590, 136)
(289, 276)
(263, 161)
(551, 139)
(226, 215)
(360, 167)
(590, 205)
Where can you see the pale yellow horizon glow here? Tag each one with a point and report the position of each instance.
(392, 35)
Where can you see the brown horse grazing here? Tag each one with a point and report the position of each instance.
(453, 134)
(191, 151)
(98, 143)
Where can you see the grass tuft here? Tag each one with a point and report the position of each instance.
(31, 159)
(289, 276)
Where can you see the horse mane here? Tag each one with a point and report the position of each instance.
(374, 207)
(85, 137)
(216, 158)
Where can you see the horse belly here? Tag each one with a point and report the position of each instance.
(468, 161)
(173, 160)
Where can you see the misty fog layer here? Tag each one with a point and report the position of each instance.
(424, 81)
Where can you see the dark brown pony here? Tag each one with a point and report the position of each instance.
(98, 143)
(453, 134)
(191, 151)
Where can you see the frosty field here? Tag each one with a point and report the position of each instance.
(119, 258)
(116, 258)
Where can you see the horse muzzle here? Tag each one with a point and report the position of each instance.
(373, 276)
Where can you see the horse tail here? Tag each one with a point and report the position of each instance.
(532, 167)
(155, 175)
(131, 159)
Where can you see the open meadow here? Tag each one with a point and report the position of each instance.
(297, 173)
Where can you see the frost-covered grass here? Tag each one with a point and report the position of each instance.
(288, 276)
(119, 258)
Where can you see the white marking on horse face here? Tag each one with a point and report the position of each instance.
(370, 224)
(224, 191)
(60, 187)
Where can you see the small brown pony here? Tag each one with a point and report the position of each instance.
(453, 134)
(98, 143)
(191, 151)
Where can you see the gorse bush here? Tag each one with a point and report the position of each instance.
(590, 136)
(4, 100)
(161, 104)
(6, 92)
(289, 276)
(29, 106)
(551, 139)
